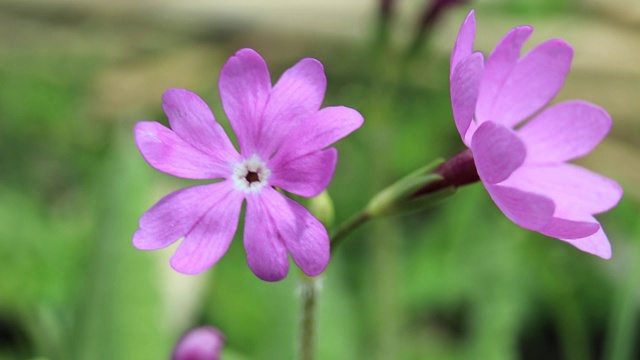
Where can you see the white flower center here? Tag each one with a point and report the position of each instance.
(250, 175)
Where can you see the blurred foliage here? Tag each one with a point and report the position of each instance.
(455, 282)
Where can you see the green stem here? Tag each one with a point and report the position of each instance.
(309, 290)
(354, 222)
(308, 294)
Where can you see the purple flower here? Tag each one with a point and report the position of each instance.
(524, 167)
(282, 134)
(202, 343)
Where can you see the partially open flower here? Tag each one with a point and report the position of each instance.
(520, 148)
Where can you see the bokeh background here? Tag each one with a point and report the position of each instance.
(458, 281)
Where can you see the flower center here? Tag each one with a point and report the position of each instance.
(250, 175)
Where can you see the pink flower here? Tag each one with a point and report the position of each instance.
(282, 134)
(202, 343)
(524, 167)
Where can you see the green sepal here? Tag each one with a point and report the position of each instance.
(398, 198)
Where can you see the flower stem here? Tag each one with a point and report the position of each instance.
(308, 294)
(354, 222)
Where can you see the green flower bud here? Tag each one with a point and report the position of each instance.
(322, 208)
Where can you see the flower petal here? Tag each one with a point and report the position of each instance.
(473, 126)
(203, 342)
(569, 229)
(306, 238)
(465, 84)
(533, 82)
(191, 118)
(530, 211)
(166, 151)
(174, 215)
(266, 252)
(322, 129)
(574, 190)
(498, 67)
(209, 238)
(464, 42)
(307, 175)
(596, 244)
(303, 235)
(564, 132)
(244, 86)
(497, 152)
(297, 95)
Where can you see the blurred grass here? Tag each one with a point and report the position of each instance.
(455, 282)
(119, 314)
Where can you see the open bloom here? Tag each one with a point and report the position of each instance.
(524, 167)
(282, 135)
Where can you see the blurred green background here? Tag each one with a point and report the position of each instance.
(458, 281)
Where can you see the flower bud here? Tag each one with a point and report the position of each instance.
(202, 343)
(321, 207)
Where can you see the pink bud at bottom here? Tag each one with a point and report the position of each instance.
(202, 343)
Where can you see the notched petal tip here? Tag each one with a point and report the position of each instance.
(263, 244)
(247, 59)
(297, 95)
(209, 238)
(322, 129)
(310, 249)
(244, 85)
(245, 54)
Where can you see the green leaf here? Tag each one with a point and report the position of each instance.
(120, 309)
